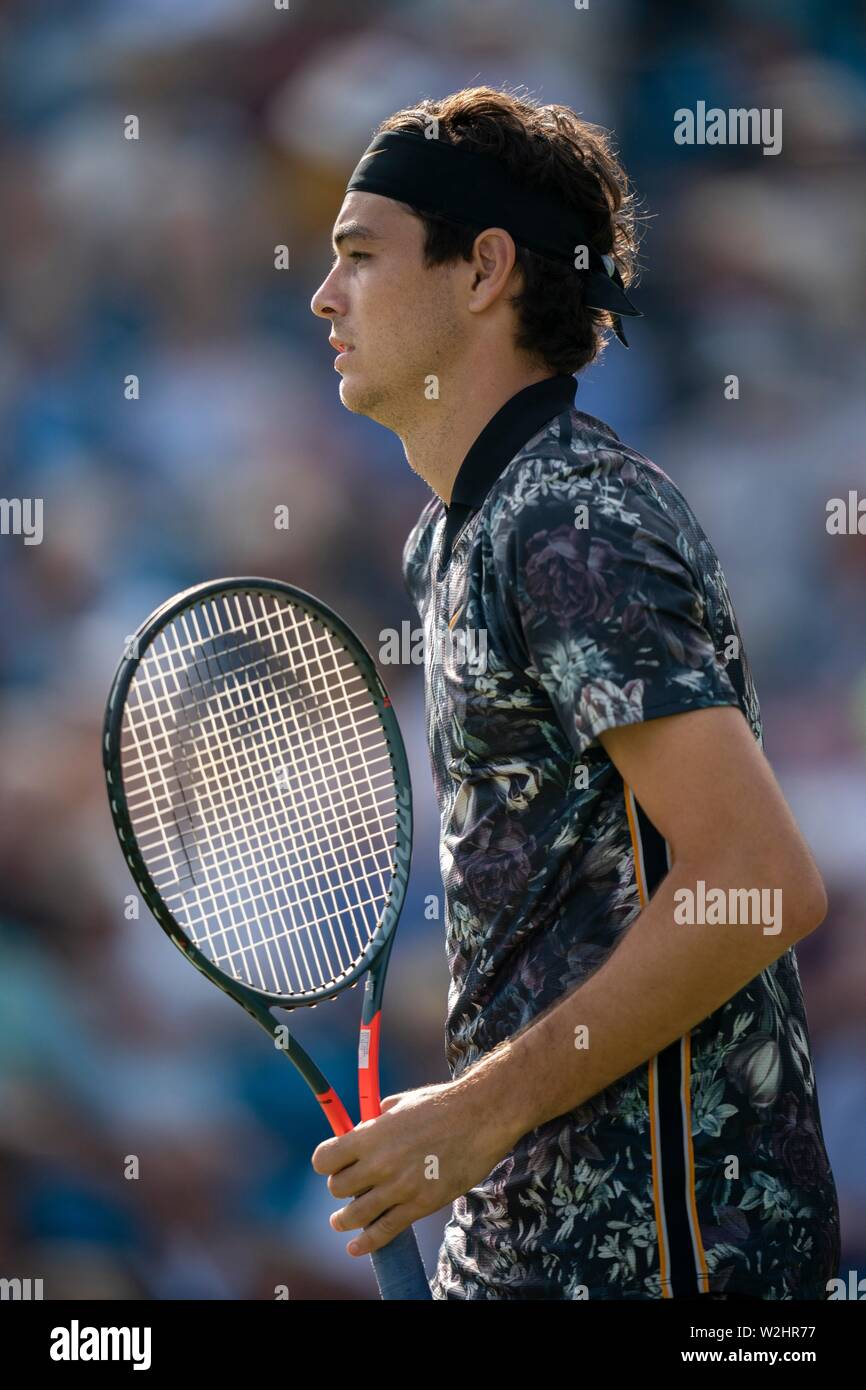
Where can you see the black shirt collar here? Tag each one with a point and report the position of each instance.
(513, 425)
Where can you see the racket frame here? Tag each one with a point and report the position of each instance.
(257, 1002)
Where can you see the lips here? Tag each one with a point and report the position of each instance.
(339, 345)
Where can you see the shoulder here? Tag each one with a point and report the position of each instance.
(578, 474)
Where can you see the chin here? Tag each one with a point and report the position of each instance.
(357, 397)
(348, 393)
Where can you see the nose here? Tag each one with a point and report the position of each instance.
(324, 302)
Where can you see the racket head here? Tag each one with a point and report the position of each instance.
(191, 712)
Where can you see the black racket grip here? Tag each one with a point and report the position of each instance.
(400, 1270)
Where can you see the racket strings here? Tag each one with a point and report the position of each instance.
(299, 900)
(235, 773)
(305, 765)
(261, 790)
(320, 833)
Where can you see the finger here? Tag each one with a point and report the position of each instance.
(388, 1102)
(334, 1154)
(381, 1231)
(352, 1181)
(363, 1211)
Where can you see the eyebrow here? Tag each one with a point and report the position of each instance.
(353, 231)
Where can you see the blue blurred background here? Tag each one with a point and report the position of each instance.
(156, 257)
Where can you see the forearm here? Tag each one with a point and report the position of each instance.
(660, 982)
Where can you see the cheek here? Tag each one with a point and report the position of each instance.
(402, 311)
(381, 317)
(381, 294)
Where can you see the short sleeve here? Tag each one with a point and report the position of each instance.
(600, 589)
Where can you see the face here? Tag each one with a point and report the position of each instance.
(397, 319)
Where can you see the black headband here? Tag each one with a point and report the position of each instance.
(478, 190)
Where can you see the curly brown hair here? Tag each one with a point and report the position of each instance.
(552, 149)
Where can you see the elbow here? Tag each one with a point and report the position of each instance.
(789, 899)
(805, 902)
(818, 905)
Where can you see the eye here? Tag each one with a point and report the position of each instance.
(352, 256)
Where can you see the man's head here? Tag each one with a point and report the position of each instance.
(415, 296)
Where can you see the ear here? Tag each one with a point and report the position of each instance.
(494, 258)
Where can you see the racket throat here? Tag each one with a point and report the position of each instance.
(335, 1111)
(368, 1066)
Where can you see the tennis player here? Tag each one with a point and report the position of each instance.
(632, 1112)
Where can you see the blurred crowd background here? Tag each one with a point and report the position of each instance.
(156, 257)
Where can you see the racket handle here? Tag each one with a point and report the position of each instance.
(400, 1269)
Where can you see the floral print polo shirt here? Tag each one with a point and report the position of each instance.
(567, 589)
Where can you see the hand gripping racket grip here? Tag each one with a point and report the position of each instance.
(399, 1269)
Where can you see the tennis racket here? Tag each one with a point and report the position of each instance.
(260, 790)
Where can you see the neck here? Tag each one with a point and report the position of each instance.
(438, 439)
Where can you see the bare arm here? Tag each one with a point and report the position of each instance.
(726, 823)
